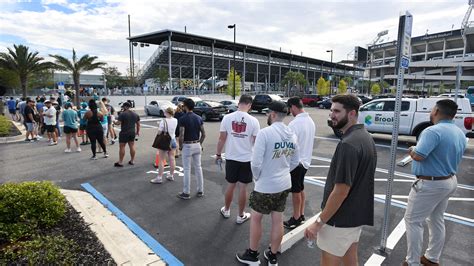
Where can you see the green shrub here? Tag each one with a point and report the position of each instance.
(26, 206)
(42, 250)
(5, 126)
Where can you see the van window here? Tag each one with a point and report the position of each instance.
(376, 106)
(389, 106)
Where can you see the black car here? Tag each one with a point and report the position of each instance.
(324, 104)
(262, 101)
(364, 99)
(210, 110)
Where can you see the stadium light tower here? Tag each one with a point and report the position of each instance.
(233, 27)
(330, 51)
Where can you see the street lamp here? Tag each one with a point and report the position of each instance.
(233, 27)
(330, 51)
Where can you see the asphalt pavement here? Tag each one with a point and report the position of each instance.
(195, 232)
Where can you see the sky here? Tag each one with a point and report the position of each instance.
(100, 27)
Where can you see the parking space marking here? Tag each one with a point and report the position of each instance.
(392, 241)
(406, 197)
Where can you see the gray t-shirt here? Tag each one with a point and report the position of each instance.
(128, 119)
(353, 163)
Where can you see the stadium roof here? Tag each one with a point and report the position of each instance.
(158, 37)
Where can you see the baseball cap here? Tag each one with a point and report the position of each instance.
(126, 104)
(84, 104)
(47, 101)
(278, 106)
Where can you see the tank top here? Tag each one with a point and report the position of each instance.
(94, 120)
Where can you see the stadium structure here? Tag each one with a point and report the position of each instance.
(207, 61)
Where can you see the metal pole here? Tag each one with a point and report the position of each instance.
(194, 72)
(234, 61)
(244, 73)
(458, 82)
(169, 65)
(130, 49)
(212, 71)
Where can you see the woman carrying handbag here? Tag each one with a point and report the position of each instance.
(167, 127)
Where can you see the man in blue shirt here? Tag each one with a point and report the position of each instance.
(191, 136)
(436, 159)
(12, 109)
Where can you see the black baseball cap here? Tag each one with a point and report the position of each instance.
(126, 104)
(278, 106)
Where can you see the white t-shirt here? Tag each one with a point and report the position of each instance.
(305, 130)
(50, 120)
(240, 128)
(172, 123)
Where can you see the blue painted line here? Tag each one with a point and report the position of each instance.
(396, 204)
(159, 250)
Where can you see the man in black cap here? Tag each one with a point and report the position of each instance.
(128, 121)
(275, 154)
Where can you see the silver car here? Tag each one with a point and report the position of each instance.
(232, 105)
(158, 108)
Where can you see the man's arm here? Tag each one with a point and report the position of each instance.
(30, 116)
(138, 127)
(335, 200)
(413, 155)
(181, 137)
(203, 134)
(221, 142)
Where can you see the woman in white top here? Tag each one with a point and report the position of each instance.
(171, 124)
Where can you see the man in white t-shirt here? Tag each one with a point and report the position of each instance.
(238, 132)
(275, 154)
(49, 115)
(304, 128)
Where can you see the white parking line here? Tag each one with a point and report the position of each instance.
(406, 197)
(392, 241)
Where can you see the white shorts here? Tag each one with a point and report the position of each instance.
(104, 129)
(337, 240)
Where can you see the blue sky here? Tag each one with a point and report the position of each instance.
(99, 27)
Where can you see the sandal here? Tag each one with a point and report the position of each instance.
(131, 163)
(118, 165)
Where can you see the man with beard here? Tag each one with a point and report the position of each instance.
(436, 158)
(348, 201)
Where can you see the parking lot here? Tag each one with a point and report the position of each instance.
(195, 232)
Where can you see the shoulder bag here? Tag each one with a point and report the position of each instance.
(163, 140)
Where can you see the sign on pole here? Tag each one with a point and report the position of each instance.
(402, 62)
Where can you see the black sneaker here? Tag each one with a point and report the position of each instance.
(200, 194)
(270, 257)
(183, 195)
(249, 257)
(302, 219)
(292, 223)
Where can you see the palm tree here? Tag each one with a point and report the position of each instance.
(23, 63)
(76, 67)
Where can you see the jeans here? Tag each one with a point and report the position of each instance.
(192, 153)
(428, 201)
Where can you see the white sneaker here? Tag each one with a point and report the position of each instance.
(169, 177)
(106, 155)
(78, 149)
(93, 158)
(157, 180)
(52, 143)
(242, 219)
(67, 150)
(225, 213)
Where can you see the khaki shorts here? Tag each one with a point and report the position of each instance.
(337, 240)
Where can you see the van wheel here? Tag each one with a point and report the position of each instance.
(162, 114)
(420, 129)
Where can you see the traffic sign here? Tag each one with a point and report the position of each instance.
(405, 62)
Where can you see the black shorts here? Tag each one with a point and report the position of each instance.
(236, 171)
(69, 130)
(50, 128)
(297, 178)
(266, 203)
(12, 111)
(109, 120)
(125, 138)
(82, 127)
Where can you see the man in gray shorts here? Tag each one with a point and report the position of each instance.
(275, 155)
(348, 201)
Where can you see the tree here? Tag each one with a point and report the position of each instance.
(327, 87)
(23, 64)
(8, 78)
(42, 79)
(320, 85)
(442, 88)
(294, 79)
(342, 88)
(161, 76)
(230, 83)
(76, 67)
(348, 81)
(430, 90)
(375, 89)
(113, 77)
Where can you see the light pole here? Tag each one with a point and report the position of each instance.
(233, 27)
(330, 51)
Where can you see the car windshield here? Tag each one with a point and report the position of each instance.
(275, 97)
(165, 103)
(213, 104)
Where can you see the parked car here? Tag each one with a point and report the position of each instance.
(232, 105)
(324, 104)
(158, 107)
(210, 110)
(261, 101)
(311, 99)
(365, 99)
(180, 98)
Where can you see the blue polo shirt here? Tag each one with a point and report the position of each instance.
(442, 147)
(192, 126)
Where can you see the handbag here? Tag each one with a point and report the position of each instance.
(163, 140)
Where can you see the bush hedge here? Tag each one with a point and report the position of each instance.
(27, 206)
(5, 126)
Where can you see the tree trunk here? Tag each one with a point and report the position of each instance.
(23, 87)
(76, 90)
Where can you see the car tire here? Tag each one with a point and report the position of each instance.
(162, 114)
(147, 113)
(321, 106)
(204, 116)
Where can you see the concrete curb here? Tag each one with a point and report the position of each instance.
(14, 139)
(124, 246)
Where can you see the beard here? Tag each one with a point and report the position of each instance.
(342, 123)
(269, 121)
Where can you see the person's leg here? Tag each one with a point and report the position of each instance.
(229, 194)
(68, 140)
(74, 137)
(296, 200)
(303, 199)
(351, 258)
(101, 141)
(186, 157)
(93, 139)
(160, 163)
(121, 152)
(242, 197)
(171, 161)
(197, 167)
(255, 230)
(328, 259)
(276, 234)
(131, 145)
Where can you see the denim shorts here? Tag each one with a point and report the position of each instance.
(173, 144)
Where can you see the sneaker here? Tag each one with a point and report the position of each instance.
(106, 155)
(83, 143)
(292, 223)
(183, 195)
(93, 158)
(34, 139)
(157, 180)
(270, 257)
(112, 142)
(169, 177)
(27, 140)
(55, 143)
(78, 149)
(67, 150)
(243, 219)
(302, 219)
(249, 257)
(225, 213)
(52, 143)
(39, 137)
(200, 194)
